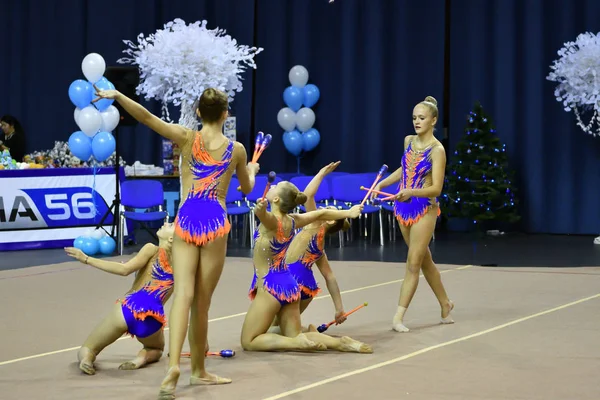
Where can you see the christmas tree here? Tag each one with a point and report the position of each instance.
(478, 184)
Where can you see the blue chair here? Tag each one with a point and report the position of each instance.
(346, 193)
(141, 194)
(236, 205)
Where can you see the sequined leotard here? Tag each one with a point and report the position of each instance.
(143, 309)
(201, 217)
(278, 280)
(301, 268)
(416, 172)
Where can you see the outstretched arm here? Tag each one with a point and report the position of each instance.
(174, 132)
(131, 266)
(332, 287)
(325, 215)
(313, 186)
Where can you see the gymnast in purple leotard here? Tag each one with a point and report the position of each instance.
(307, 252)
(274, 291)
(420, 180)
(208, 161)
(140, 313)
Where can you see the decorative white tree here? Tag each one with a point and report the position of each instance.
(177, 63)
(578, 73)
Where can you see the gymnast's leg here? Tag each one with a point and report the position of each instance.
(154, 346)
(212, 260)
(260, 316)
(185, 264)
(111, 328)
(291, 326)
(418, 236)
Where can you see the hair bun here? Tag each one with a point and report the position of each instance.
(209, 97)
(431, 99)
(300, 198)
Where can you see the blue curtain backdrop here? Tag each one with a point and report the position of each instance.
(43, 43)
(372, 61)
(501, 51)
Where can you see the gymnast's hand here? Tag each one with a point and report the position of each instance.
(374, 194)
(76, 253)
(329, 168)
(261, 205)
(339, 317)
(253, 168)
(105, 94)
(356, 211)
(404, 195)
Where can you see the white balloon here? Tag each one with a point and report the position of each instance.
(305, 119)
(298, 76)
(98, 234)
(76, 115)
(110, 119)
(90, 121)
(286, 119)
(93, 67)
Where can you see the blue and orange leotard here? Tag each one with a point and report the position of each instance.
(202, 218)
(143, 309)
(301, 269)
(416, 172)
(278, 281)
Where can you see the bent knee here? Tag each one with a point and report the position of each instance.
(415, 260)
(246, 343)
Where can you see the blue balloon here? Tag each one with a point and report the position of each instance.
(104, 84)
(80, 145)
(90, 246)
(103, 145)
(293, 97)
(293, 142)
(80, 93)
(107, 245)
(311, 95)
(78, 242)
(310, 139)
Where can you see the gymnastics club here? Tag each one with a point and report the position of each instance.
(324, 327)
(264, 144)
(382, 171)
(222, 353)
(378, 192)
(257, 142)
(270, 180)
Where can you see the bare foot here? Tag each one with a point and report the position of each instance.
(168, 385)
(312, 328)
(305, 344)
(354, 346)
(145, 357)
(446, 309)
(86, 359)
(208, 379)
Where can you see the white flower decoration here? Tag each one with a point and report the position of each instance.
(578, 73)
(177, 63)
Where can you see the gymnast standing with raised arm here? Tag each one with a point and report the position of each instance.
(201, 227)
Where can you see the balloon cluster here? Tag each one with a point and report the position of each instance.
(95, 120)
(297, 119)
(95, 241)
